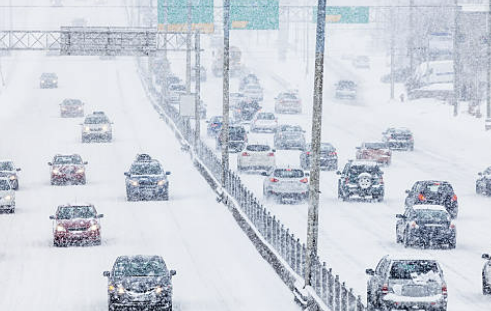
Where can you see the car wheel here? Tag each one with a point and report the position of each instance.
(452, 244)
(370, 304)
(130, 198)
(406, 240)
(486, 289)
(165, 196)
(341, 196)
(83, 181)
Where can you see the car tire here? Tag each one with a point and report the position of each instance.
(83, 181)
(370, 304)
(130, 198)
(398, 238)
(341, 196)
(486, 289)
(165, 195)
(452, 244)
(406, 240)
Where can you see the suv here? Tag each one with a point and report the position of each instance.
(139, 282)
(425, 225)
(71, 108)
(97, 126)
(288, 102)
(483, 183)
(486, 275)
(146, 180)
(345, 89)
(7, 196)
(289, 137)
(406, 283)
(48, 80)
(67, 168)
(398, 138)
(433, 192)
(256, 157)
(264, 121)
(328, 157)
(286, 184)
(8, 170)
(361, 178)
(214, 125)
(237, 138)
(76, 223)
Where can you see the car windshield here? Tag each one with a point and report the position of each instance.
(288, 173)
(437, 188)
(72, 102)
(237, 133)
(48, 76)
(293, 135)
(257, 148)
(146, 168)
(376, 146)
(140, 267)
(70, 212)
(291, 128)
(410, 269)
(4, 185)
(487, 171)
(177, 87)
(67, 160)
(265, 116)
(358, 169)
(216, 119)
(96, 120)
(435, 216)
(346, 85)
(288, 96)
(6, 166)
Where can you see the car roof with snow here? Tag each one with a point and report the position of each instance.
(434, 207)
(409, 256)
(363, 163)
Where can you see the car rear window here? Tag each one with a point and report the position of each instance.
(358, 169)
(96, 120)
(289, 96)
(4, 185)
(265, 116)
(438, 188)
(432, 216)
(289, 173)
(257, 148)
(376, 145)
(67, 160)
(410, 269)
(71, 212)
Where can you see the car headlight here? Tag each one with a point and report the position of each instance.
(94, 227)
(80, 171)
(63, 109)
(42, 81)
(105, 128)
(55, 171)
(7, 198)
(158, 290)
(161, 182)
(87, 128)
(111, 288)
(120, 290)
(54, 81)
(134, 183)
(13, 177)
(60, 228)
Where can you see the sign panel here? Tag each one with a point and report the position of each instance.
(345, 14)
(173, 15)
(254, 14)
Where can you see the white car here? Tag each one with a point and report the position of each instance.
(288, 102)
(264, 121)
(9, 171)
(256, 157)
(97, 127)
(7, 196)
(253, 91)
(286, 184)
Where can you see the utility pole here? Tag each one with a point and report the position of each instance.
(392, 51)
(456, 60)
(166, 61)
(313, 213)
(197, 85)
(411, 36)
(488, 41)
(226, 94)
(188, 50)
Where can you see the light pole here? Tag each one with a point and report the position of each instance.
(488, 71)
(226, 80)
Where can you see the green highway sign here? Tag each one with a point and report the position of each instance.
(345, 14)
(254, 14)
(173, 15)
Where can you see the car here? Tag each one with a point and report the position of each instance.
(68, 168)
(9, 171)
(253, 91)
(433, 192)
(249, 79)
(235, 99)
(361, 61)
(361, 179)
(71, 108)
(328, 157)
(374, 151)
(48, 80)
(426, 225)
(139, 282)
(346, 89)
(245, 110)
(486, 275)
(256, 157)
(76, 224)
(146, 180)
(214, 126)
(97, 127)
(237, 138)
(398, 138)
(286, 185)
(406, 282)
(289, 137)
(288, 102)
(483, 183)
(7, 196)
(264, 122)
(174, 93)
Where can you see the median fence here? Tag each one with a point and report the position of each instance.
(281, 248)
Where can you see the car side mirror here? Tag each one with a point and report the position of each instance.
(485, 256)
(52, 217)
(100, 216)
(18, 169)
(173, 272)
(264, 174)
(106, 274)
(400, 216)
(50, 164)
(370, 272)
(167, 173)
(85, 163)
(127, 174)
(407, 191)
(273, 150)
(480, 173)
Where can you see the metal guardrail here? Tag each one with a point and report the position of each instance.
(329, 289)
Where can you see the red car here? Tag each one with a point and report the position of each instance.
(76, 224)
(67, 169)
(378, 152)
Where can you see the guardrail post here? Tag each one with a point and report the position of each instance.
(274, 238)
(292, 251)
(359, 304)
(330, 289)
(298, 256)
(337, 293)
(324, 283)
(351, 300)
(304, 255)
(344, 298)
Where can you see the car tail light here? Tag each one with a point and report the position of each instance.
(454, 198)
(307, 153)
(381, 180)
(421, 197)
(346, 180)
(305, 180)
(414, 225)
(333, 153)
(214, 125)
(385, 289)
(444, 290)
(388, 153)
(271, 154)
(245, 154)
(273, 180)
(452, 225)
(410, 137)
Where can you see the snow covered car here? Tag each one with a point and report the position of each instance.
(398, 138)
(361, 61)
(361, 179)
(286, 184)
(214, 125)
(264, 121)
(483, 183)
(256, 157)
(426, 225)
(253, 91)
(139, 282)
(71, 108)
(235, 99)
(289, 137)
(174, 93)
(328, 157)
(248, 80)
(237, 138)
(48, 80)
(374, 151)
(7, 196)
(345, 89)
(406, 282)
(76, 224)
(486, 275)
(67, 169)
(9, 171)
(245, 110)
(288, 102)
(146, 180)
(433, 192)
(97, 127)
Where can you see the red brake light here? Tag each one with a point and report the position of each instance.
(245, 154)
(273, 179)
(333, 153)
(414, 224)
(347, 180)
(271, 154)
(305, 180)
(454, 198)
(385, 289)
(452, 225)
(288, 169)
(421, 197)
(307, 153)
(444, 290)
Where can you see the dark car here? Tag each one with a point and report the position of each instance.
(8, 170)
(71, 108)
(426, 225)
(237, 139)
(486, 275)
(483, 183)
(76, 224)
(433, 192)
(146, 180)
(214, 125)
(362, 180)
(398, 138)
(141, 283)
(97, 127)
(289, 137)
(328, 157)
(67, 169)
(48, 80)
(245, 110)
